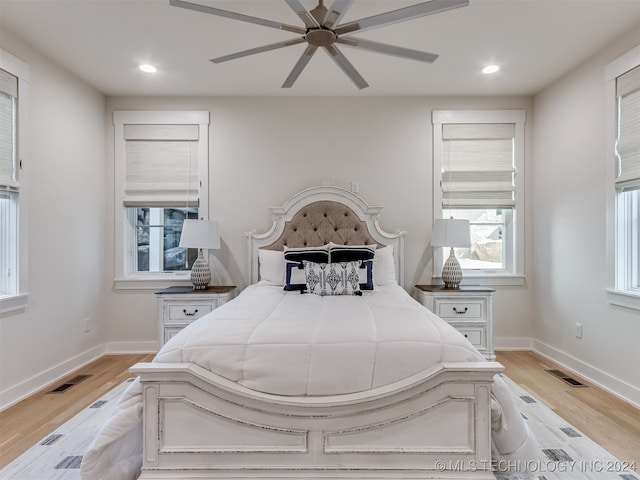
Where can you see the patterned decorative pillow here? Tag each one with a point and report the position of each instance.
(333, 278)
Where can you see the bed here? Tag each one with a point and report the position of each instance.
(302, 379)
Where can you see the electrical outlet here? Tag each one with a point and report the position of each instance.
(578, 330)
(355, 186)
(87, 325)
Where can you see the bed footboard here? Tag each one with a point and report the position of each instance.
(433, 425)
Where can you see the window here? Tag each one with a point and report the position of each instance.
(161, 180)
(14, 76)
(623, 209)
(478, 170)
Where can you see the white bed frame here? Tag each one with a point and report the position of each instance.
(434, 425)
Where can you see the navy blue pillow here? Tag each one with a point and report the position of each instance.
(368, 265)
(310, 254)
(295, 279)
(351, 253)
(294, 276)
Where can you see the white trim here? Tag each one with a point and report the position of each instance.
(42, 380)
(151, 281)
(131, 348)
(15, 66)
(123, 260)
(49, 377)
(611, 384)
(516, 257)
(22, 70)
(14, 303)
(615, 295)
(623, 299)
(512, 343)
(489, 279)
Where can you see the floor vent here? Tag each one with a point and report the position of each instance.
(67, 385)
(566, 378)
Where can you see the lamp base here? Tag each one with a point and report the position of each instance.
(200, 272)
(451, 271)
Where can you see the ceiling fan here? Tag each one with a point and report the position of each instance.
(322, 29)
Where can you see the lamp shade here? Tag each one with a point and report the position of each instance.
(200, 234)
(451, 232)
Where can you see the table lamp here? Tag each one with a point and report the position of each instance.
(200, 234)
(451, 232)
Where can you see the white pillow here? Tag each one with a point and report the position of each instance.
(272, 266)
(384, 267)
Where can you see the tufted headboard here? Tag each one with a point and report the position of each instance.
(322, 222)
(320, 215)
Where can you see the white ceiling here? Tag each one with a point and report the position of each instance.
(103, 41)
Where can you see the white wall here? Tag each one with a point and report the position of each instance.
(263, 150)
(67, 230)
(569, 232)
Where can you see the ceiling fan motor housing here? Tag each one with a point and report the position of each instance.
(320, 37)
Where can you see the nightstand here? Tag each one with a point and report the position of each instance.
(179, 306)
(469, 309)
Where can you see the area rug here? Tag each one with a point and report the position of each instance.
(565, 453)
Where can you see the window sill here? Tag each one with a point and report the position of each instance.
(13, 303)
(151, 282)
(624, 298)
(491, 280)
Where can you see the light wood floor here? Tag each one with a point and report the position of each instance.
(27, 422)
(609, 421)
(612, 423)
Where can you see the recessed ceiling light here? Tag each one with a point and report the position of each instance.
(148, 68)
(491, 69)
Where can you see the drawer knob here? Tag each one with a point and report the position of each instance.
(460, 312)
(189, 314)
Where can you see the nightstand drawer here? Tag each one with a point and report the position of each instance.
(188, 312)
(179, 306)
(469, 309)
(475, 336)
(459, 310)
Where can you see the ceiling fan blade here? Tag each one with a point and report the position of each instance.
(387, 49)
(303, 13)
(344, 64)
(237, 16)
(335, 13)
(299, 66)
(253, 51)
(400, 15)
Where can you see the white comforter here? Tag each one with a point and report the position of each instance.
(293, 344)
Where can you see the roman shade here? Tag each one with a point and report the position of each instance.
(628, 141)
(8, 108)
(478, 165)
(161, 166)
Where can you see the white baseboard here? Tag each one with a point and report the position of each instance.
(615, 386)
(611, 384)
(125, 348)
(19, 392)
(48, 377)
(512, 343)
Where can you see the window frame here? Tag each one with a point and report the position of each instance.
(514, 242)
(618, 290)
(18, 301)
(126, 276)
